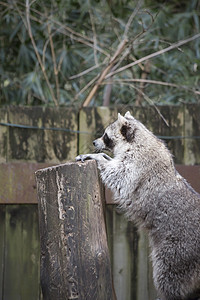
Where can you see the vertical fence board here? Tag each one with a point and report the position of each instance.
(142, 290)
(123, 245)
(60, 146)
(152, 294)
(22, 141)
(13, 257)
(121, 259)
(55, 146)
(2, 248)
(21, 275)
(3, 135)
(87, 126)
(145, 289)
(175, 129)
(131, 265)
(192, 128)
(93, 121)
(103, 117)
(189, 156)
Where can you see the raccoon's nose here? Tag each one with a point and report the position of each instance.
(94, 142)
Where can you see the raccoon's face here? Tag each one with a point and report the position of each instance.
(107, 141)
(116, 134)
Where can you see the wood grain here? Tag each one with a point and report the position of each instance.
(75, 261)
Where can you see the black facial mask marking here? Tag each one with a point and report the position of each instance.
(108, 142)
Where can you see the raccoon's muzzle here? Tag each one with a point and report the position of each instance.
(99, 145)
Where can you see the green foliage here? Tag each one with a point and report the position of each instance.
(180, 66)
(73, 36)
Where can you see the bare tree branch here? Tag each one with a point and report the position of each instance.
(64, 29)
(94, 36)
(116, 56)
(86, 71)
(153, 82)
(105, 71)
(87, 86)
(130, 20)
(54, 62)
(37, 53)
(144, 75)
(45, 46)
(107, 94)
(150, 56)
(149, 101)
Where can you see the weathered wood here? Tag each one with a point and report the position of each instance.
(142, 267)
(122, 255)
(87, 126)
(191, 174)
(3, 136)
(74, 254)
(145, 286)
(18, 186)
(192, 128)
(93, 121)
(42, 145)
(176, 128)
(17, 182)
(21, 264)
(2, 248)
(132, 270)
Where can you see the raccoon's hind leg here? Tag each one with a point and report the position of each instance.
(99, 157)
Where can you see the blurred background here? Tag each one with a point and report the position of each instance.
(53, 52)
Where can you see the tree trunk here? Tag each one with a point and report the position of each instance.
(75, 261)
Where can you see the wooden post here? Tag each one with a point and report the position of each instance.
(75, 261)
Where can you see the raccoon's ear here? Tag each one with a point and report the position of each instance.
(128, 132)
(128, 115)
(121, 119)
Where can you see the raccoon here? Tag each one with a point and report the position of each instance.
(151, 193)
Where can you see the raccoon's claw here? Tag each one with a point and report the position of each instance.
(98, 157)
(81, 157)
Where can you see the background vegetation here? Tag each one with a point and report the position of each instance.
(63, 52)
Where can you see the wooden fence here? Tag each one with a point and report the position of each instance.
(34, 137)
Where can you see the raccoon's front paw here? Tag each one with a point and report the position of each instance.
(83, 157)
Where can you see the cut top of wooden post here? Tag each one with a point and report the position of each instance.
(75, 261)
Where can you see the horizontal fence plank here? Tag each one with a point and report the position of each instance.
(191, 174)
(17, 181)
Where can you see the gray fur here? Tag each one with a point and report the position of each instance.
(156, 197)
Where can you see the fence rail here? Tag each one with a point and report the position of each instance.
(18, 186)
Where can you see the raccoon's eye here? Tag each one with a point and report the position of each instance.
(107, 141)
